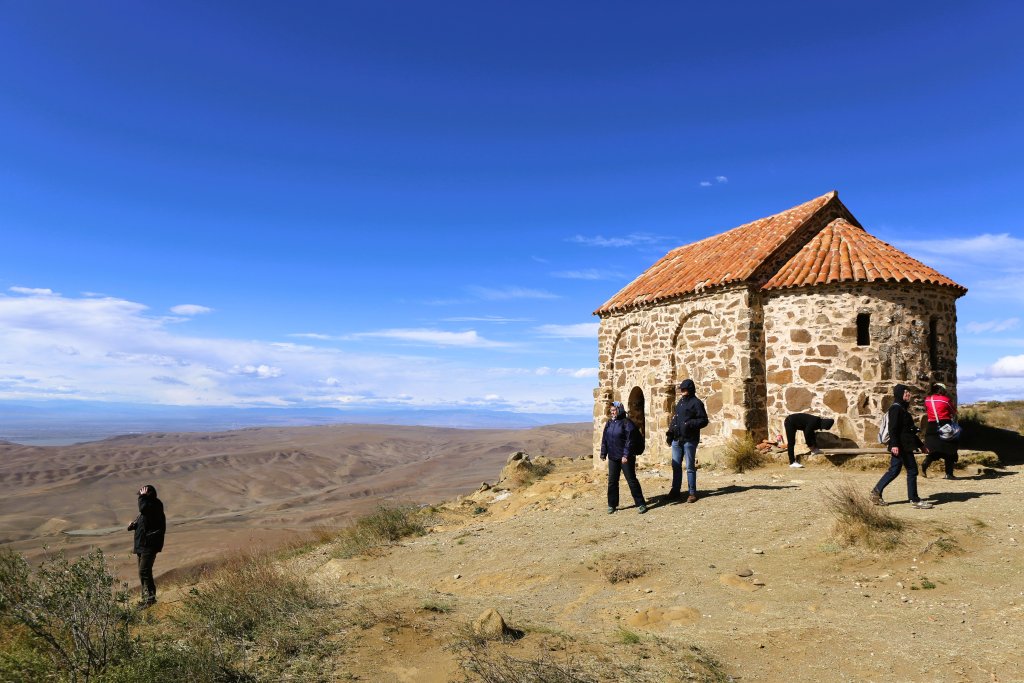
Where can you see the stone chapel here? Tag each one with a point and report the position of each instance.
(803, 311)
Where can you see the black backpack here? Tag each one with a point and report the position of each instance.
(636, 441)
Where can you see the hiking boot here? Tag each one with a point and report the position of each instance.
(876, 498)
(611, 510)
(672, 495)
(921, 505)
(796, 465)
(641, 509)
(692, 498)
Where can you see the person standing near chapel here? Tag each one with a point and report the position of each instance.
(149, 527)
(940, 411)
(808, 424)
(615, 446)
(903, 440)
(684, 436)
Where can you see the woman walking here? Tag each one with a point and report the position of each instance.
(941, 411)
(903, 440)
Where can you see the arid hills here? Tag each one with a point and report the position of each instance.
(245, 488)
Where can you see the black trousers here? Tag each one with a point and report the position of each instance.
(628, 470)
(791, 430)
(146, 561)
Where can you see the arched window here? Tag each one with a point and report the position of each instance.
(863, 329)
(635, 409)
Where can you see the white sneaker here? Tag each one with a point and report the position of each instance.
(922, 505)
(796, 465)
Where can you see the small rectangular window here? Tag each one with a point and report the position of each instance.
(933, 344)
(863, 329)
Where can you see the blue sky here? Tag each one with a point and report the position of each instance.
(398, 203)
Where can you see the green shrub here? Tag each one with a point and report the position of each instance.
(71, 614)
(383, 527)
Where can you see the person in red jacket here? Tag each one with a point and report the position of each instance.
(941, 411)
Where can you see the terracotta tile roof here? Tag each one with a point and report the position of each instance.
(738, 254)
(842, 252)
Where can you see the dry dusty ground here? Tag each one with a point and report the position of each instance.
(245, 488)
(948, 605)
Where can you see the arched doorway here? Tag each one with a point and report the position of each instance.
(635, 409)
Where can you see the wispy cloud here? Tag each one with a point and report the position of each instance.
(578, 330)
(992, 326)
(636, 239)
(190, 309)
(567, 372)
(315, 335)
(588, 274)
(1008, 366)
(484, 319)
(508, 293)
(468, 339)
(719, 180)
(33, 291)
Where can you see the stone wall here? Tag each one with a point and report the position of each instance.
(815, 365)
(713, 339)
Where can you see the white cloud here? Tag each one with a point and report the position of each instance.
(986, 248)
(484, 319)
(636, 239)
(314, 335)
(721, 179)
(468, 338)
(1008, 366)
(587, 274)
(508, 293)
(576, 331)
(32, 291)
(112, 349)
(261, 371)
(190, 309)
(992, 326)
(705, 183)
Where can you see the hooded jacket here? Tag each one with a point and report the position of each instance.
(690, 415)
(150, 525)
(902, 430)
(615, 440)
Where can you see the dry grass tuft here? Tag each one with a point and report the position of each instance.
(382, 528)
(619, 568)
(861, 522)
(740, 454)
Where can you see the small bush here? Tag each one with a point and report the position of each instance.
(70, 613)
(482, 664)
(436, 606)
(627, 637)
(247, 596)
(740, 454)
(860, 521)
(383, 527)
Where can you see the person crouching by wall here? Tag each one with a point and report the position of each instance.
(615, 446)
(940, 411)
(684, 436)
(903, 439)
(808, 424)
(149, 527)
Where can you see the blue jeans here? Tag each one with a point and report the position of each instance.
(896, 463)
(687, 449)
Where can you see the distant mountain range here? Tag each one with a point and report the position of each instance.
(66, 422)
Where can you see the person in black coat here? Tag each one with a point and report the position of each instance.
(615, 446)
(684, 436)
(903, 440)
(808, 424)
(149, 527)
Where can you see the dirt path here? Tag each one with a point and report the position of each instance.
(749, 573)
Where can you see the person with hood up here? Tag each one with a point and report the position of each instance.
(615, 446)
(149, 527)
(684, 436)
(808, 424)
(903, 440)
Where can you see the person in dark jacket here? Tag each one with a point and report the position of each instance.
(903, 439)
(940, 410)
(615, 446)
(808, 424)
(684, 436)
(149, 527)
